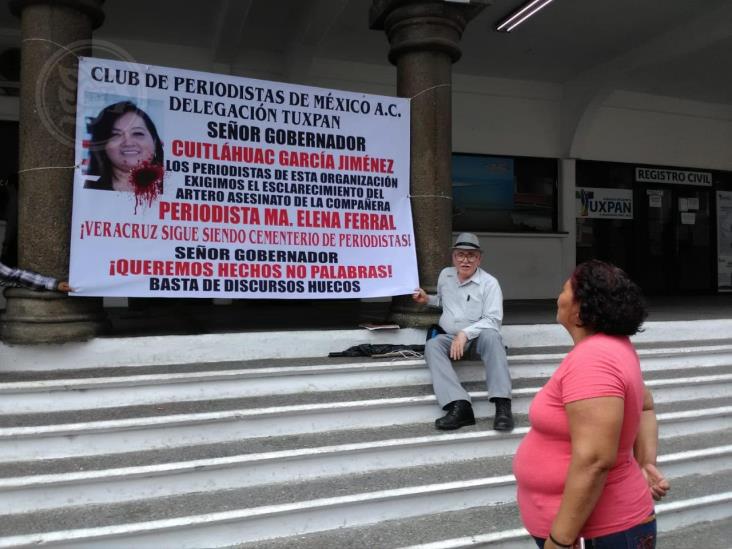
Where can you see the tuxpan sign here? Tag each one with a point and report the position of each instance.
(674, 177)
(596, 203)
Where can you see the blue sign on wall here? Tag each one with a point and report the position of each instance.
(483, 182)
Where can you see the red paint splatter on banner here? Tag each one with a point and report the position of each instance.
(147, 182)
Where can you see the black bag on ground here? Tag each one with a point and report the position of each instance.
(370, 349)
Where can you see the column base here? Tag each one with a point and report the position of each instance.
(33, 317)
(408, 314)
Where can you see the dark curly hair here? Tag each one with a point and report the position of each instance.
(610, 302)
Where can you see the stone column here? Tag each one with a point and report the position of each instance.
(424, 36)
(54, 33)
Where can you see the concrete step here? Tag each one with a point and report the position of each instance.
(66, 434)
(705, 533)
(65, 484)
(690, 422)
(500, 526)
(449, 527)
(221, 520)
(105, 388)
(363, 492)
(670, 354)
(525, 387)
(143, 351)
(188, 454)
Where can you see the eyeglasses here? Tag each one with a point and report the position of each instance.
(467, 256)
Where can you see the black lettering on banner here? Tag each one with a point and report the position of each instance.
(165, 284)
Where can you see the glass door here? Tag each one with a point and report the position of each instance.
(694, 252)
(655, 257)
(674, 253)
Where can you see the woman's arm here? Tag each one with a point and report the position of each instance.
(594, 426)
(646, 442)
(645, 448)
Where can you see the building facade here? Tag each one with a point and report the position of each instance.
(543, 138)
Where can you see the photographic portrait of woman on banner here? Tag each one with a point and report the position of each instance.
(125, 152)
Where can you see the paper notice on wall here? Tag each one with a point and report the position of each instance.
(692, 203)
(192, 184)
(655, 201)
(688, 218)
(683, 205)
(655, 198)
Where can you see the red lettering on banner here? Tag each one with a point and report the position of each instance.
(373, 222)
(208, 213)
(274, 216)
(297, 159)
(319, 219)
(350, 271)
(108, 229)
(365, 164)
(249, 270)
(214, 151)
(155, 267)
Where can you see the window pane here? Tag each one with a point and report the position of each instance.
(504, 194)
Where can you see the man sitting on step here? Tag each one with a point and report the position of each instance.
(472, 311)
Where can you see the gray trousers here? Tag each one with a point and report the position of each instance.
(489, 345)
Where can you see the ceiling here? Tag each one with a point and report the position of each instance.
(676, 48)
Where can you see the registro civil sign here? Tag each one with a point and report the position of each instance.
(194, 184)
(675, 177)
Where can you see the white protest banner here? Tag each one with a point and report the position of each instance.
(192, 184)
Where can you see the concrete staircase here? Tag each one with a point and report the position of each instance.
(129, 443)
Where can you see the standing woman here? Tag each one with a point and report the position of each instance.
(585, 467)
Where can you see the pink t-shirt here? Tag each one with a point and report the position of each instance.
(598, 366)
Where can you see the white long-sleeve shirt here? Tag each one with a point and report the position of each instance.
(470, 306)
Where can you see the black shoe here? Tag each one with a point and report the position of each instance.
(459, 414)
(503, 420)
